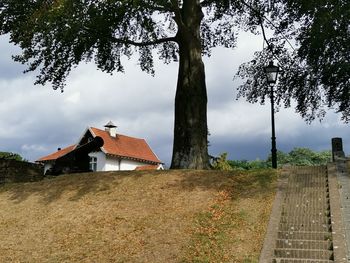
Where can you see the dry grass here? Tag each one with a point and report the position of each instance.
(169, 216)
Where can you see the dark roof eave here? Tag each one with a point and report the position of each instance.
(46, 161)
(134, 159)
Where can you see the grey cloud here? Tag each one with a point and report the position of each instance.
(9, 68)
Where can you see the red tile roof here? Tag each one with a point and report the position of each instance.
(57, 154)
(146, 167)
(125, 146)
(120, 146)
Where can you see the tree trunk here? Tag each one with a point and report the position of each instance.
(190, 148)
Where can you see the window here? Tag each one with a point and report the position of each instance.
(93, 164)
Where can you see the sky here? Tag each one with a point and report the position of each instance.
(35, 120)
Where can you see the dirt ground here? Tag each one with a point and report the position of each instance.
(163, 216)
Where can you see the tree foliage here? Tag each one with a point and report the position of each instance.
(11, 156)
(311, 45)
(302, 157)
(297, 156)
(56, 35)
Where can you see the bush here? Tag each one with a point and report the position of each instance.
(221, 163)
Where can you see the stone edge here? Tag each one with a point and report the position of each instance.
(267, 252)
(338, 237)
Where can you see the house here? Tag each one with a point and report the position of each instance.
(102, 150)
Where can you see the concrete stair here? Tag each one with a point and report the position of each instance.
(305, 231)
(303, 220)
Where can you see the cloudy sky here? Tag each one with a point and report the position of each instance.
(36, 120)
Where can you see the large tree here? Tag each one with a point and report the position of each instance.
(56, 35)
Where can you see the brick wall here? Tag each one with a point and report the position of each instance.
(12, 171)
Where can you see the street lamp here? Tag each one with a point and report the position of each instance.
(271, 72)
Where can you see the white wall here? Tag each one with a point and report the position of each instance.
(130, 165)
(47, 166)
(101, 160)
(113, 163)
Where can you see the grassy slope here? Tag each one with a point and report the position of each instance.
(169, 216)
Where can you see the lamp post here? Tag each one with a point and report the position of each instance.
(271, 72)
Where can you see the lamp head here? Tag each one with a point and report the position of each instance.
(271, 73)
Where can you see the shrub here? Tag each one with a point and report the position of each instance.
(221, 163)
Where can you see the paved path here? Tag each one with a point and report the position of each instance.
(306, 222)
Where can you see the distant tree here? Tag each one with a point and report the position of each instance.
(323, 157)
(311, 45)
(11, 156)
(248, 165)
(302, 157)
(239, 164)
(281, 157)
(298, 157)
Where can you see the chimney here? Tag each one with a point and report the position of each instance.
(111, 129)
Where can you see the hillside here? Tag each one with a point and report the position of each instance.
(163, 216)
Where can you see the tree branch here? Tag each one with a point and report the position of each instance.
(159, 8)
(144, 44)
(206, 3)
(177, 12)
(264, 34)
(263, 17)
(269, 46)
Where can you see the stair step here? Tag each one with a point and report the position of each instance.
(307, 199)
(310, 213)
(304, 253)
(298, 260)
(304, 213)
(292, 202)
(307, 206)
(304, 227)
(304, 244)
(300, 219)
(323, 236)
(309, 187)
(306, 190)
